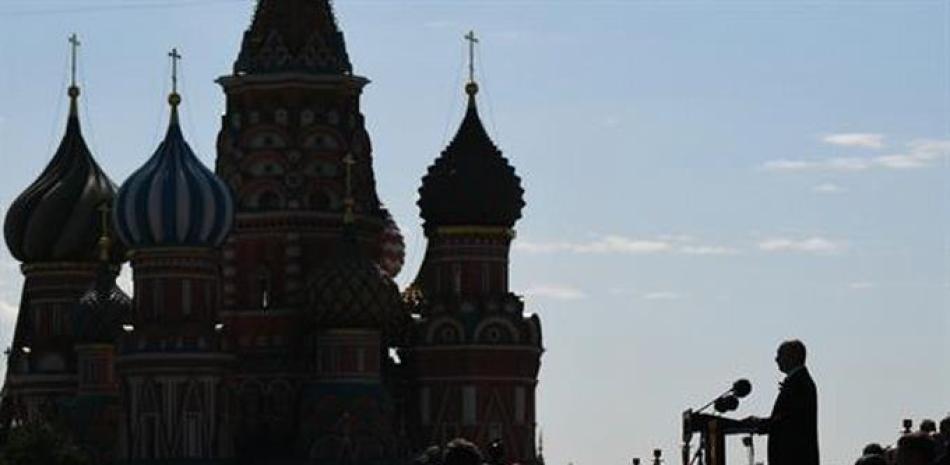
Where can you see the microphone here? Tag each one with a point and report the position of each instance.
(726, 403)
(741, 388)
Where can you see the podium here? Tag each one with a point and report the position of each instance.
(712, 430)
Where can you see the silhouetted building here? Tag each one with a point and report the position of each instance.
(265, 325)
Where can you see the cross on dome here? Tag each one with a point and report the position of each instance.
(74, 43)
(472, 41)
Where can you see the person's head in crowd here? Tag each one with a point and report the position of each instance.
(928, 426)
(461, 452)
(915, 449)
(871, 459)
(945, 427)
(872, 449)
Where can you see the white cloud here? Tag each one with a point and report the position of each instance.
(828, 188)
(856, 139)
(607, 244)
(920, 153)
(708, 250)
(617, 244)
(664, 295)
(813, 245)
(555, 292)
(840, 164)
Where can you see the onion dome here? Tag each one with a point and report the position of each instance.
(293, 36)
(173, 200)
(471, 184)
(351, 291)
(101, 311)
(54, 220)
(393, 247)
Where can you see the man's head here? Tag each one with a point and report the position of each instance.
(915, 449)
(928, 426)
(461, 452)
(791, 355)
(873, 449)
(945, 426)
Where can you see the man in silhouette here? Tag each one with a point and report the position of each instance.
(793, 425)
(915, 449)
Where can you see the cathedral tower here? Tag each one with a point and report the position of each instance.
(52, 228)
(292, 116)
(474, 357)
(173, 213)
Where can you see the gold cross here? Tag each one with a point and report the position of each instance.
(74, 42)
(472, 40)
(176, 57)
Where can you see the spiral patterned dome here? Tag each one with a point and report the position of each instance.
(351, 291)
(173, 200)
(471, 184)
(56, 219)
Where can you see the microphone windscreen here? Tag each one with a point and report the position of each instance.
(741, 388)
(726, 404)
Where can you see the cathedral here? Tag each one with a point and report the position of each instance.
(264, 324)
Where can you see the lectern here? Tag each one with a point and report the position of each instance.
(712, 430)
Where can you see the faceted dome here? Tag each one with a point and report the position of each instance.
(471, 184)
(393, 247)
(56, 219)
(351, 291)
(101, 311)
(173, 200)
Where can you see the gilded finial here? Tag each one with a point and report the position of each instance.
(348, 201)
(174, 99)
(105, 242)
(472, 87)
(73, 91)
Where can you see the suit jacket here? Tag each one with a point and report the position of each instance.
(793, 425)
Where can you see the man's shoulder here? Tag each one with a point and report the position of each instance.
(801, 379)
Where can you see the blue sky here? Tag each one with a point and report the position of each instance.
(704, 179)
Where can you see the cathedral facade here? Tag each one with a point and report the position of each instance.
(265, 326)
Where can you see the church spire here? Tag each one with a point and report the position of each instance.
(293, 36)
(174, 99)
(471, 184)
(73, 88)
(471, 88)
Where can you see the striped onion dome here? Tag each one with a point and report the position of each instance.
(173, 200)
(393, 247)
